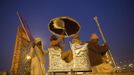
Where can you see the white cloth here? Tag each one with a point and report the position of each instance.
(37, 61)
(80, 57)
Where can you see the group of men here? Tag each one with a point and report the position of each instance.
(95, 53)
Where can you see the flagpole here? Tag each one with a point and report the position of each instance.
(25, 27)
(21, 21)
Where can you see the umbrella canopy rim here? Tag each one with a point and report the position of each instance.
(64, 17)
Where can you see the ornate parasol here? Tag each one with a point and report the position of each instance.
(64, 26)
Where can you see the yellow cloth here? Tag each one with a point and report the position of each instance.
(105, 67)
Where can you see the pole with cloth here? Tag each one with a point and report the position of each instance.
(31, 38)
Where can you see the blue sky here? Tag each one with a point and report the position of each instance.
(115, 16)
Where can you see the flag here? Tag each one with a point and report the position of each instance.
(23, 43)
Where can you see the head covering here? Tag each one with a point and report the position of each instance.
(94, 36)
(37, 40)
